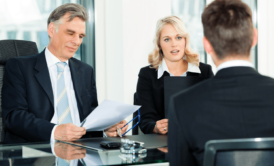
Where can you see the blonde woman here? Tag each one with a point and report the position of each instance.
(172, 56)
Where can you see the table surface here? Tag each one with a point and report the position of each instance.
(41, 153)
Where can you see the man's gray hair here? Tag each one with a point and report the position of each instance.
(74, 9)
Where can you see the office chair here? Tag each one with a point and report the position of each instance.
(9, 49)
(239, 152)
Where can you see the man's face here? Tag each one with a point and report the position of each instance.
(64, 43)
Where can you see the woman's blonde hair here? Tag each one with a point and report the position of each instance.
(156, 57)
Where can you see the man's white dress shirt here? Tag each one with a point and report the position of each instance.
(51, 63)
(234, 63)
(163, 67)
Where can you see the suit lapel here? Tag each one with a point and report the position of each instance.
(43, 75)
(76, 76)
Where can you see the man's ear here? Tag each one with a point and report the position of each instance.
(255, 37)
(208, 47)
(51, 29)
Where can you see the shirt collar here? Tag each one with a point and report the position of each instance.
(234, 63)
(51, 59)
(163, 67)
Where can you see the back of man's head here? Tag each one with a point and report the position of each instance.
(228, 27)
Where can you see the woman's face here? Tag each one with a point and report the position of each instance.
(172, 44)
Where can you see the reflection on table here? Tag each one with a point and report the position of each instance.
(52, 154)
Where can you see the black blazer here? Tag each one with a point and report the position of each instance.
(150, 92)
(27, 97)
(237, 103)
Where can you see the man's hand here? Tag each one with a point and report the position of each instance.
(68, 132)
(69, 152)
(161, 126)
(112, 131)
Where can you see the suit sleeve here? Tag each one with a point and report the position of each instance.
(178, 147)
(17, 117)
(149, 115)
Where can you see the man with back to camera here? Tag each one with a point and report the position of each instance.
(236, 103)
(52, 87)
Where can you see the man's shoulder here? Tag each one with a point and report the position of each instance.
(264, 78)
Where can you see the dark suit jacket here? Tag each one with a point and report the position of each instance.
(150, 92)
(237, 103)
(27, 97)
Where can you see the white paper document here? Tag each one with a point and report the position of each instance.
(107, 114)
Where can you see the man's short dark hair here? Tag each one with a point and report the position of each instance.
(228, 27)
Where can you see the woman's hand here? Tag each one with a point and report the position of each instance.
(161, 126)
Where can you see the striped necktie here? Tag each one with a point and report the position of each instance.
(63, 110)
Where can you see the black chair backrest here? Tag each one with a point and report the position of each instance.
(239, 152)
(135, 102)
(9, 49)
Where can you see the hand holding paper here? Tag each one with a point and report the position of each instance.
(107, 114)
(68, 132)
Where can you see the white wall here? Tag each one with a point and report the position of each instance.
(139, 22)
(100, 50)
(266, 36)
(124, 33)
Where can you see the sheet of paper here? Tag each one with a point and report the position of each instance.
(107, 114)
